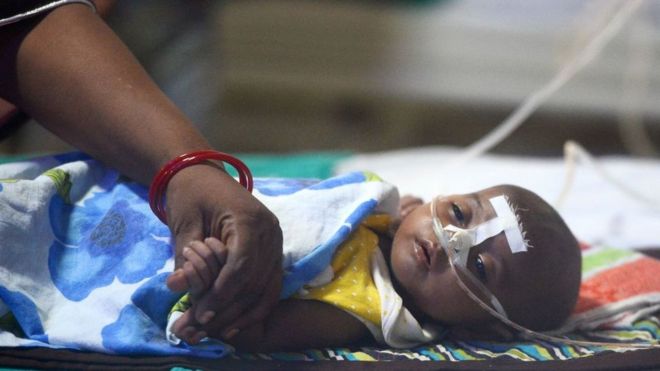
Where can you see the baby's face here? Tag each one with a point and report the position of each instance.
(422, 269)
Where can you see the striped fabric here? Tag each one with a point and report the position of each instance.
(646, 330)
(618, 304)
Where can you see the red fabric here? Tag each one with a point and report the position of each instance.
(637, 277)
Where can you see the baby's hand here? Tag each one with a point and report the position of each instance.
(203, 262)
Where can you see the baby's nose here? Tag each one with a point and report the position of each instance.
(461, 240)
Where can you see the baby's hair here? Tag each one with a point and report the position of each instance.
(516, 212)
(547, 294)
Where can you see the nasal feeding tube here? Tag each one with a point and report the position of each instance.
(458, 257)
(457, 242)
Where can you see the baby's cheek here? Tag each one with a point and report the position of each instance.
(452, 305)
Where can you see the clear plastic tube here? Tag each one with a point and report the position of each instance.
(574, 153)
(536, 99)
(497, 310)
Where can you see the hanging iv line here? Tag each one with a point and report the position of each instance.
(565, 74)
(573, 151)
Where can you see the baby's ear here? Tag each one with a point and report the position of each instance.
(494, 331)
(408, 203)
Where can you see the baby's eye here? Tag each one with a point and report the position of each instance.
(481, 268)
(458, 213)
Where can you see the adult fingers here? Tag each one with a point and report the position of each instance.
(242, 283)
(183, 322)
(228, 298)
(259, 312)
(186, 331)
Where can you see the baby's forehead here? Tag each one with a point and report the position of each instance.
(484, 194)
(498, 190)
(499, 213)
(480, 201)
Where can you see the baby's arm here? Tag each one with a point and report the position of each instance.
(70, 72)
(294, 324)
(299, 324)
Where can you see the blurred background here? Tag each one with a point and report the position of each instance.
(306, 75)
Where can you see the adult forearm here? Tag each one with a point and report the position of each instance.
(74, 76)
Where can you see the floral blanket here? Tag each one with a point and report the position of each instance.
(83, 260)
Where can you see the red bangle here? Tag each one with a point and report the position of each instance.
(159, 184)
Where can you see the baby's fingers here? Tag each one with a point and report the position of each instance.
(197, 270)
(204, 260)
(219, 252)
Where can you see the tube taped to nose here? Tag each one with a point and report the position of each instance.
(509, 224)
(457, 242)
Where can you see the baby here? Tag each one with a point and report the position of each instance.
(506, 244)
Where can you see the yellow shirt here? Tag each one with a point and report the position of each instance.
(352, 287)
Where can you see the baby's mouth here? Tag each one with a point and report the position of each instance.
(424, 250)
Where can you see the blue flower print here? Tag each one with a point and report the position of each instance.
(338, 181)
(110, 234)
(310, 265)
(25, 312)
(139, 328)
(287, 186)
(155, 299)
(281, 186)
(135, 334)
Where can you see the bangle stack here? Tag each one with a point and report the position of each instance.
(159, 184)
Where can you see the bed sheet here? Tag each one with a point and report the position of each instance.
(417, 172)
(598, 212)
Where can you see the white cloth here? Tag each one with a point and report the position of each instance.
(399, 329)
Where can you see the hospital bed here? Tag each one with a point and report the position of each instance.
(602, 220)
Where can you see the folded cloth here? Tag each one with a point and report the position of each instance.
(618, 288)
(83, 261)
(317, 216)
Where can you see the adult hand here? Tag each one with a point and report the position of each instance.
(204, 201)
